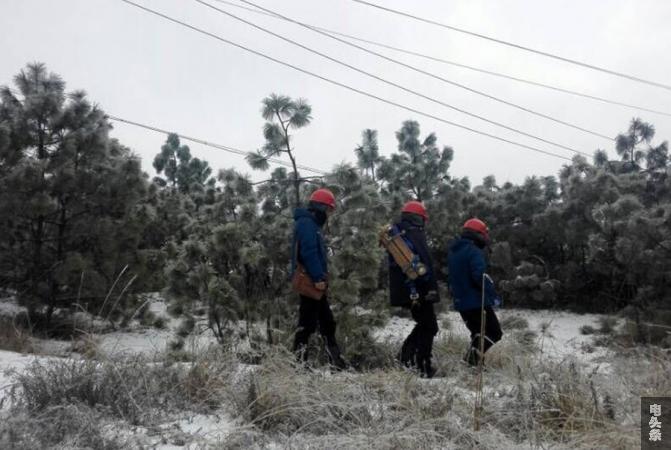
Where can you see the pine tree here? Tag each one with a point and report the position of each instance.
(627, 145)
(68, 196)
(281, 114)
(368, 153)
(419, 167)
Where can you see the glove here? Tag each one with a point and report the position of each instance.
(431, 297)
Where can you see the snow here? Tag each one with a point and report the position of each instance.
(558, 331)
(152, 341)
(147, 342)
(562, 337)
(200, 429)
(190, 432)
(9, 307)
(558, 334)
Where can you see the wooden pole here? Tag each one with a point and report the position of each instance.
(477, 410)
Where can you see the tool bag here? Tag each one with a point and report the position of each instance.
(301, 283)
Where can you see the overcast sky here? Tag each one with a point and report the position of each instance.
(145, 69)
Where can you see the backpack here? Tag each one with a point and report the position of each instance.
(401, 250)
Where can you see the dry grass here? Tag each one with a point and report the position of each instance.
(530, 401)
(513, 322)
(15, 338)
(87, 345)
(607, 324)
(587, 329)
(559, 402)
(133, 389)
(71, 401)
(387, 408)
(66, 427)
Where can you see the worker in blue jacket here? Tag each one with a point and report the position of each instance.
(466, 268)
(311, 253)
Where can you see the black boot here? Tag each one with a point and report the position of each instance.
(335, 357)
(300, 350)
(427, 369)
(472, 357)
(406, 356)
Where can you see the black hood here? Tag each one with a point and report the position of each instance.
(412, 219)
(318, 211)
(476, 237)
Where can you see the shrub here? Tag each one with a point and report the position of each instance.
(14, 338)
(160, 323)
(607, 324)
(130, 388)
(67, 426)
(365, 353)
(557, 401)
(175, 308)
(513, 322)
(587, 329)
(87, 345)
(186, 327)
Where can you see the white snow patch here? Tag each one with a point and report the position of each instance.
(9, 307)
(197, 431)
(558, 332)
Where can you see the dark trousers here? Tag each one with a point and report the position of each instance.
(417, 347)
(493, 332)
(312, 314)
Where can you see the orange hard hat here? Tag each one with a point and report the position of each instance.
(415, 207)
(324, 196)
(478, 226)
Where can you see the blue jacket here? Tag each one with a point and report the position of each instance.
(311, 250)
(466, 265)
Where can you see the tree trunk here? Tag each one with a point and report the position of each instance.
(60, 250)
(269, 330)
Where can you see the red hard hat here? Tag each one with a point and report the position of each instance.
(478, 226)
(324, 196)
(415, 207)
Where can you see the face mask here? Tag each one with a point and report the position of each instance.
(320, 217)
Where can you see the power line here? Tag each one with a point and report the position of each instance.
(426, 97)
(211, 144)
(432, 75)
(457, 64)
(517, 46)
(343, 85)
(406, 89)
(200, 141)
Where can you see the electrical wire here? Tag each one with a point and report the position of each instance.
(458, 64)
(212, 144)
(423, 72)
(517, 46)
(337, 83)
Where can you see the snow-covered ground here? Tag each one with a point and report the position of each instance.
(558, 331)
(558, 336)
